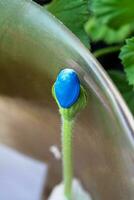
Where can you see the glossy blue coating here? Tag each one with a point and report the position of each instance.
(67, 87)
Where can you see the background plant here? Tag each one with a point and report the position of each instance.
(106, 27)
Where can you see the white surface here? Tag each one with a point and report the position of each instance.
(21, 178)
(55, 151)
(78, 192)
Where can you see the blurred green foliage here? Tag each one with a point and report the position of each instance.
(74, 14)
(110, 21)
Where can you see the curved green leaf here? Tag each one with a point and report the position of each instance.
(115, 13)
(73, 14)
(127, 57)
(98, 31)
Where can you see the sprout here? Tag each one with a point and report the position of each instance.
(71, 98)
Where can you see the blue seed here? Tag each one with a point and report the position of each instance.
(67, 88)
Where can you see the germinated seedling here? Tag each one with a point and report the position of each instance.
(71, 99)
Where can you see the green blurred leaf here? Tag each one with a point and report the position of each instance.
(74, 14)
(127, 91)
(115, 13)
(127, 57)
(97, 32)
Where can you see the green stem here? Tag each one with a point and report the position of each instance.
(107, 50)
(67, 156)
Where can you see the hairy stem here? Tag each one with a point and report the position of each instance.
(107, 50)
(67, 126)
